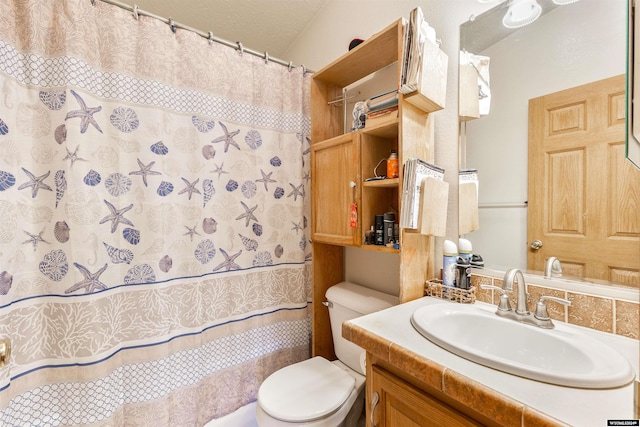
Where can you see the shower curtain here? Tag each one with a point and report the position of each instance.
(154, 246)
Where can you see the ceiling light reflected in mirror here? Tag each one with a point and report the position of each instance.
(521, 13)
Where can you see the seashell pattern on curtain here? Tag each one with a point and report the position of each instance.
(154, 202)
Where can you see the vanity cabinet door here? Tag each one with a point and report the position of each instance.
(335, 190)
(402, 405)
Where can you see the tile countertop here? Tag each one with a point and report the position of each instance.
(389, 335)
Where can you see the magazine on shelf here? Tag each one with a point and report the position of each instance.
(415, 171)
(417, 31)
(382, 101)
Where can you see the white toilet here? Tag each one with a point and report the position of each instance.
(317, 392)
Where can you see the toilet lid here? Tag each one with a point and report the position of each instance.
(305, 391)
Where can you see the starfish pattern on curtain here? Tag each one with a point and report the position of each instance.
(149, 272)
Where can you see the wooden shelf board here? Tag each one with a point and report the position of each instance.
(375, 53)
(380, 248)
(388, 129)
(383, 183)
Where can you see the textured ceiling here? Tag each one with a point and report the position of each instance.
(262, 25)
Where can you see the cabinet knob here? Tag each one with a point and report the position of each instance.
(352, 184)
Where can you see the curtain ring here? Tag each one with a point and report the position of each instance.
(93, 2)
(172, 25)
(290, 66)
(304, 70)
(211, 40)
(240, 47)
(266, 58)
(135, 12)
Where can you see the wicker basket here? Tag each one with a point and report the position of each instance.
(435, 288)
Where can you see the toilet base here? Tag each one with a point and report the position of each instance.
(356, 413)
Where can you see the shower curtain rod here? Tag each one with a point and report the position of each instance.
(209, 36)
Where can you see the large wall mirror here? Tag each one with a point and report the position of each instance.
(633, 85)
(568, 46)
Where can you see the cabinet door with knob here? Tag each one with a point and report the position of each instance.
(395, 403)
(335, 190)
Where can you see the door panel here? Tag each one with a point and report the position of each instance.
(566, 171)
(335, 166)
(402, 405)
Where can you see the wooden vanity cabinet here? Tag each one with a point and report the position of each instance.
(340, 164)
(394, 402)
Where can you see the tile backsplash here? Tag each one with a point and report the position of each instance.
(605, 314)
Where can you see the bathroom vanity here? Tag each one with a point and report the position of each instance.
(419, 383)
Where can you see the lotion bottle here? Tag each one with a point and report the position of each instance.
(450, 257)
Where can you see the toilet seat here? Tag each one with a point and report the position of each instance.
(305, 391)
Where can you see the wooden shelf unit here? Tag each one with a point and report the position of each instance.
(340, 163)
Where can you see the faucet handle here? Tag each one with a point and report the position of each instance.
(541, 307)
(504, 304)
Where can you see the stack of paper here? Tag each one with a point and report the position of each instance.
(383, 101)
(380, 106)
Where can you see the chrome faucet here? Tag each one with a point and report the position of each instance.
(521, 313)
(552, 268)
(510, 276)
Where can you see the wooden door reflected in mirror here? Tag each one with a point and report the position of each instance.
(581, 189)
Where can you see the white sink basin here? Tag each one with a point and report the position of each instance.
(563, 356)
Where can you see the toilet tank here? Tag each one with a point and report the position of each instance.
(348, 301)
